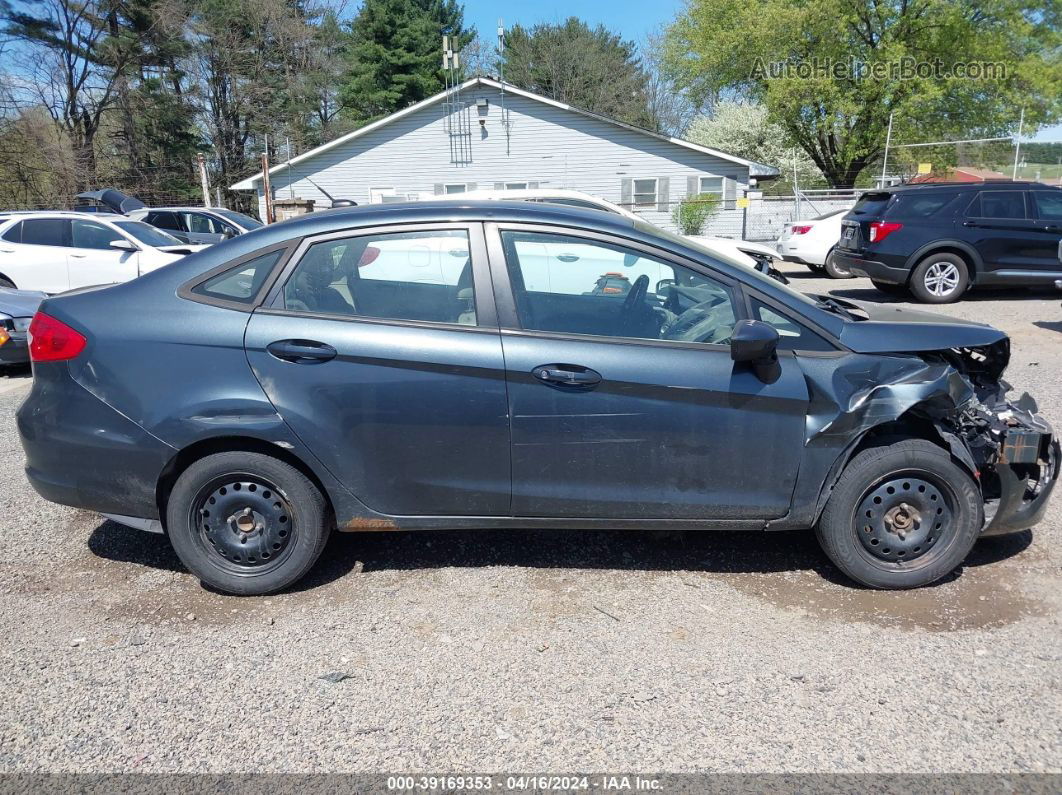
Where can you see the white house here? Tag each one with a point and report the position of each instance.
(485, 134)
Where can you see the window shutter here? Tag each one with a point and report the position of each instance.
(729, 193)
(691, 186)
(438, 189)
(627, 192)
(663, 195)
(499, 186)
(532, 185)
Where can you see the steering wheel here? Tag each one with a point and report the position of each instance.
(635, 298)
(700, 323)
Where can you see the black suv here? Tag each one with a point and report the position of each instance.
(937, 240)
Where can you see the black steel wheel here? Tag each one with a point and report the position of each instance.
(246, 523)
(902, 515)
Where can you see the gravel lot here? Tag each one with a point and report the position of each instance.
(534, 651)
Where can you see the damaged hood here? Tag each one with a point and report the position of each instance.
(890, 329)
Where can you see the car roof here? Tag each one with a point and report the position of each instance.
(991, 184)
(22, 214)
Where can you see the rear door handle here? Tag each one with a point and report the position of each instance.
(566, 375)
(302, 351)
(78, 256)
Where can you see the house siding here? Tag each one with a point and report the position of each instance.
(547, 145)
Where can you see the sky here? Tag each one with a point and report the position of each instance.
(632, 19)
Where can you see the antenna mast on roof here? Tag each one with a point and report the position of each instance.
(501, 79)
(458, 125)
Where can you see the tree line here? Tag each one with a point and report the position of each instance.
(99, 93)
(124, 93)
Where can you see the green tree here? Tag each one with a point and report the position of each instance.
(590, 68)
(797, 58)
(744, 129)
(395, 54)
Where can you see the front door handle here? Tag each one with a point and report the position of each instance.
(302, 351)
(970, 223)
(566, 375)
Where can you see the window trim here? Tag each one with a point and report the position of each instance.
(634, 193)
(486, 313)
(185, 290)
(700, 185)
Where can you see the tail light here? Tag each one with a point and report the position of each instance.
(879, 230)
(52, 340)
(4, 337)
(801, 229)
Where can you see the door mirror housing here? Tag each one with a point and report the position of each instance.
(756, 343)
(124, 245)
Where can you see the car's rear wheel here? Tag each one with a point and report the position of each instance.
(902, 515)
(940, 279)
(246, 523)
(833, 268)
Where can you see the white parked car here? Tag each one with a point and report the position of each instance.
(58, 251)
(743, 251)
(812, 243)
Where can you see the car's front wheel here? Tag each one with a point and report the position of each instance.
(902, 515)
(246, 523)
(940, 279)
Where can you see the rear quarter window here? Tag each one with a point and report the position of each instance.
(915, 205)
(14, 234)
(241, 283)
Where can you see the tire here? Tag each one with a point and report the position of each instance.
(815, 268)
(940, 279)
(890, 289)
(5, 282)
(833, 269)
(919, 546)
(285, 531)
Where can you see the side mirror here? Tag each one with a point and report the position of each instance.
(756, 343)
(124, 245)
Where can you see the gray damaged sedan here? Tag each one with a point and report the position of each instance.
(459, 366)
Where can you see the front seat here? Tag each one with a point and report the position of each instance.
(313, 284)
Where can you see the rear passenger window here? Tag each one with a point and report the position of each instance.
(1048, 205)
(792, 336)
(46, 231)
(242, 282)
(921, 206)
(1001, 204)
(424, 276)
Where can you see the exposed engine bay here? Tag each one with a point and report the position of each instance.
(1006, 445)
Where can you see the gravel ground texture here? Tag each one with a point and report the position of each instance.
(534, 651)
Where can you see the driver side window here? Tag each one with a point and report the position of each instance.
(574, 285)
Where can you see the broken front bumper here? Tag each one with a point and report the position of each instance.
(1026, 476)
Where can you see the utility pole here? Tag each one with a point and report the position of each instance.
(203, 181)
(1017, 144)
(266, 189)
(885, 159)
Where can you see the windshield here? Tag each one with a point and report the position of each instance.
(146, 234)
(871, 203)
(246, 221)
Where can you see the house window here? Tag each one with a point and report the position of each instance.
(711, 185)
(380, 195)
(516, 186)
(455, 187)
(645, 192)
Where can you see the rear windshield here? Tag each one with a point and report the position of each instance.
(871, 204)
